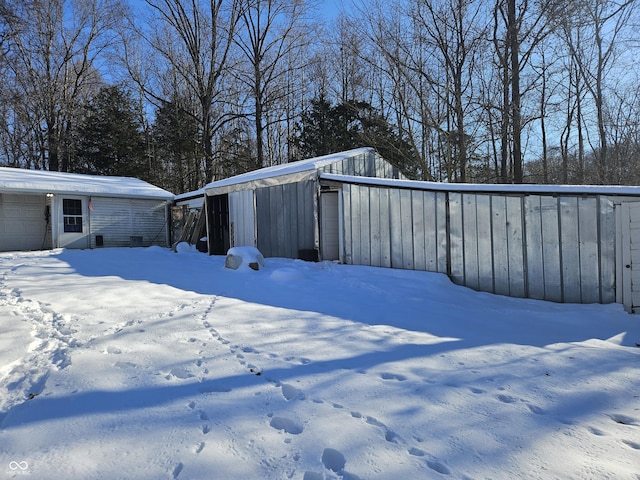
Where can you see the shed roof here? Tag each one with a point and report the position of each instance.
(279, 173)
(489, 188)
(18, 180)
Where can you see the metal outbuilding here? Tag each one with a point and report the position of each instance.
(283, 210)
(576, 244)
(43, 209)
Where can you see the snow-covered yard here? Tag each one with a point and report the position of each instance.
(147, 364)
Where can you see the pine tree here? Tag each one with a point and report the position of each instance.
(111, 139)
(325, 129)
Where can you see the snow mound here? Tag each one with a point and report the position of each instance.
(244, 258)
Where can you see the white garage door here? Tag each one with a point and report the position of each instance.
(22, 222)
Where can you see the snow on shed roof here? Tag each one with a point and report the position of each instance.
(489, 188)
(268, 175)
(19, 180)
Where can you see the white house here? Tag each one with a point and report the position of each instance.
(42, 209)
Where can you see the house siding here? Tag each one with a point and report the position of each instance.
(122, 221)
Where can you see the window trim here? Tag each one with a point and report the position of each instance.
(72, 215)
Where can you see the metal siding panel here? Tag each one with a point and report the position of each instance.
(347, 223)
(607, 242)
(278, 212)
(441, 231)
(262, 221)
(395, 214)
(535, 257)
(365, 230)
(375, 219)
(370, 162)
(551, 249)
(500, 245)
(570, 249)
(515, 238)
(292, 216)
(430, 232)
(485, 258)
(470, 225)
(310, 233)
(241, 213)
(356, 218)
(420, 228)
(385, 227)
(407, 229)
(359, 166)
(456, 238)
(589, 259)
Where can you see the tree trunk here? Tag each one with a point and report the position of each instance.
(514, 46)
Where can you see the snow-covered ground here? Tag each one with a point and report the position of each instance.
(147, 364)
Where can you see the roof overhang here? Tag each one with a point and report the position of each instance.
(34, 182)
(505, 189)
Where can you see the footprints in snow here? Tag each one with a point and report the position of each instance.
(52, 335)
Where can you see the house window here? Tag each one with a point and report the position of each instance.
(72, 214)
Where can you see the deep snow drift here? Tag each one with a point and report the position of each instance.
(147, 364)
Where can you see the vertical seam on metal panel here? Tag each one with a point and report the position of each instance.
(448, 233)
(493, 268)
(599, 247)
(525, 257)
(579, 248)
(560, 242)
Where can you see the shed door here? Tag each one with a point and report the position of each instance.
(630, 246)
(218, 209)
(329, 226)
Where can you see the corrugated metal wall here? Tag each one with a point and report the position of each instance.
(242, 218)
(120, 219)
(287, 219)
(559, 248)
(368, 164)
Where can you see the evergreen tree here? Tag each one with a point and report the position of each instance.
(325, 129)
(177, 148)
(111, 138)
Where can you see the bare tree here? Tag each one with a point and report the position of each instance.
(190, 43)
(270, 40)
(52, 53)
(603, 23)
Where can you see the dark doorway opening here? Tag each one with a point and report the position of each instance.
(218, 210)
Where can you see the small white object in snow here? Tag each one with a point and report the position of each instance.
(244, 257)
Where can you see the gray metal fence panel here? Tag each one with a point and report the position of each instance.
(485, 247)
(552, 280)
(588, 246)
(558, 248)
(570, 249)
(607, 244)
(534, 247)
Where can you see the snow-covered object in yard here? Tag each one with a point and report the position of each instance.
(245, 257)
